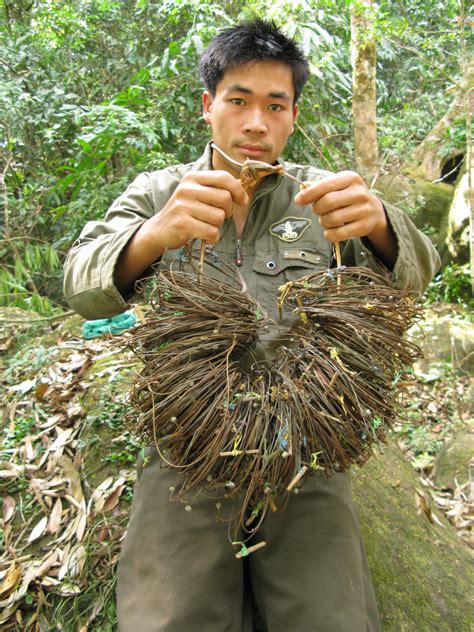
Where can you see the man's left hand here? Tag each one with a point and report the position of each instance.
(347, 209)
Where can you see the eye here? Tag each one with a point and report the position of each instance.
(275, 107)
(237, 101)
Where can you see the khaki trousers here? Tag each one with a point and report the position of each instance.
(178, 571)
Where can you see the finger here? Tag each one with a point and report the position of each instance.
(208, 214)
(340, 199)
(204, 231)
(223, 180)
(342, 233)
(213, 198)
(336, 182)
(339, 217)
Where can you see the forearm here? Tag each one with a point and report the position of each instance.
(139, 254)
(89, 269)
(88, 273)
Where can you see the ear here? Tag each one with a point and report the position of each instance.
(295, 116)
(206, 106)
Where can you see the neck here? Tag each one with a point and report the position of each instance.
(221, 164)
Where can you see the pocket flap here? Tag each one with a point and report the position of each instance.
(272, 263)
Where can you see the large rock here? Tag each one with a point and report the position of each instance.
(426, 203)
(422, 572)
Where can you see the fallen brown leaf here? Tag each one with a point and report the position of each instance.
(41, 390)
(39, 530)
(62, 438)
(6, 613)
(49, 581)
(6, 343)
(114, 498)
(8, 508)
(11, 580)
(73, 563)
(72, 475)
(74, 410)
(48, 562)
(422, 504)
(29, 450)
(81, 526)
(68, 589)
(55, 517)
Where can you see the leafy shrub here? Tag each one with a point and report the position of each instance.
(452, 285)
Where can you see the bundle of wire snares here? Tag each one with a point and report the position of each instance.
(251, 430)
(352, 362)
(251, 433)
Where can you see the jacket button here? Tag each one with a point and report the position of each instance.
(271, 265)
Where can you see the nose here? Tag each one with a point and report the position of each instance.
(255, 122)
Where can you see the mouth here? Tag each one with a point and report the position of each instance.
(249, 150)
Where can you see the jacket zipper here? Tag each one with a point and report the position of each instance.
(238, 242)
(238, 252)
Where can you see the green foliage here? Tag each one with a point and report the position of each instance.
(110, 414)
(452, 285)
(16, 286)
(94, 91)
(14, 436)
(125, 450)
(455, 138)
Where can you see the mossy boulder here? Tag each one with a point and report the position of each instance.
(426, 203)
(422, 572)
(108, 446)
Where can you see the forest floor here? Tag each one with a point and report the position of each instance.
(67, 464)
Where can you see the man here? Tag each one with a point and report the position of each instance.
(178, 572)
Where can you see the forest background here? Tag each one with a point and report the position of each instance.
(93, 92)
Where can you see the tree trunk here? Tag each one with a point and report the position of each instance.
(426, 159)
(363, 55)
(459, 221)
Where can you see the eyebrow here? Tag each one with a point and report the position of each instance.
(236, 87)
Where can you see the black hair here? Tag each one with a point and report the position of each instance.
(252, 41)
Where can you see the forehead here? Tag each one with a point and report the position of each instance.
(260, 76)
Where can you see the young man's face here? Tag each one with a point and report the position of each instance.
(252, 113)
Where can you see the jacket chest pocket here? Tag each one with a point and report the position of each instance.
(273, 269)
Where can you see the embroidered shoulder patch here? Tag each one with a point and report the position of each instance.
(290, 228)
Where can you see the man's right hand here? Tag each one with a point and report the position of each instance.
(196, 210)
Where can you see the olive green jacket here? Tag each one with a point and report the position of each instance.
(281, 242)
